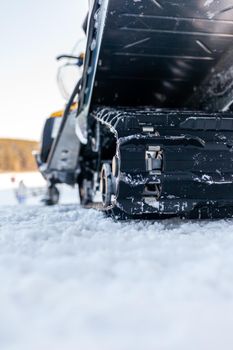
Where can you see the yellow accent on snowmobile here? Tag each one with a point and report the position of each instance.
(74, 106)
(60, 113)
(57, 114)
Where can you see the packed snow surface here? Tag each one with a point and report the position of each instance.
(72, 279)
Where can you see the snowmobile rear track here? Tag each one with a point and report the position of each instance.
(169, 163)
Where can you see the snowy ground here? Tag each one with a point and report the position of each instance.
(71, 279)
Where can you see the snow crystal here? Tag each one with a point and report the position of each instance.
(208, 3)
(152, 203)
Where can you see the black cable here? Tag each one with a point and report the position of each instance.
(64, 118)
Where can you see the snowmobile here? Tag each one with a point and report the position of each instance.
(153, 128)
(64, 167)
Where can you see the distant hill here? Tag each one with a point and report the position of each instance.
(16, 155)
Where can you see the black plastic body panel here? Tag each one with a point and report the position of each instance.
(156, 52)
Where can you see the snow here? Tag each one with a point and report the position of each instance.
(72, 279)
(208, 2)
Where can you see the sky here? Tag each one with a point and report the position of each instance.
(32, 34)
